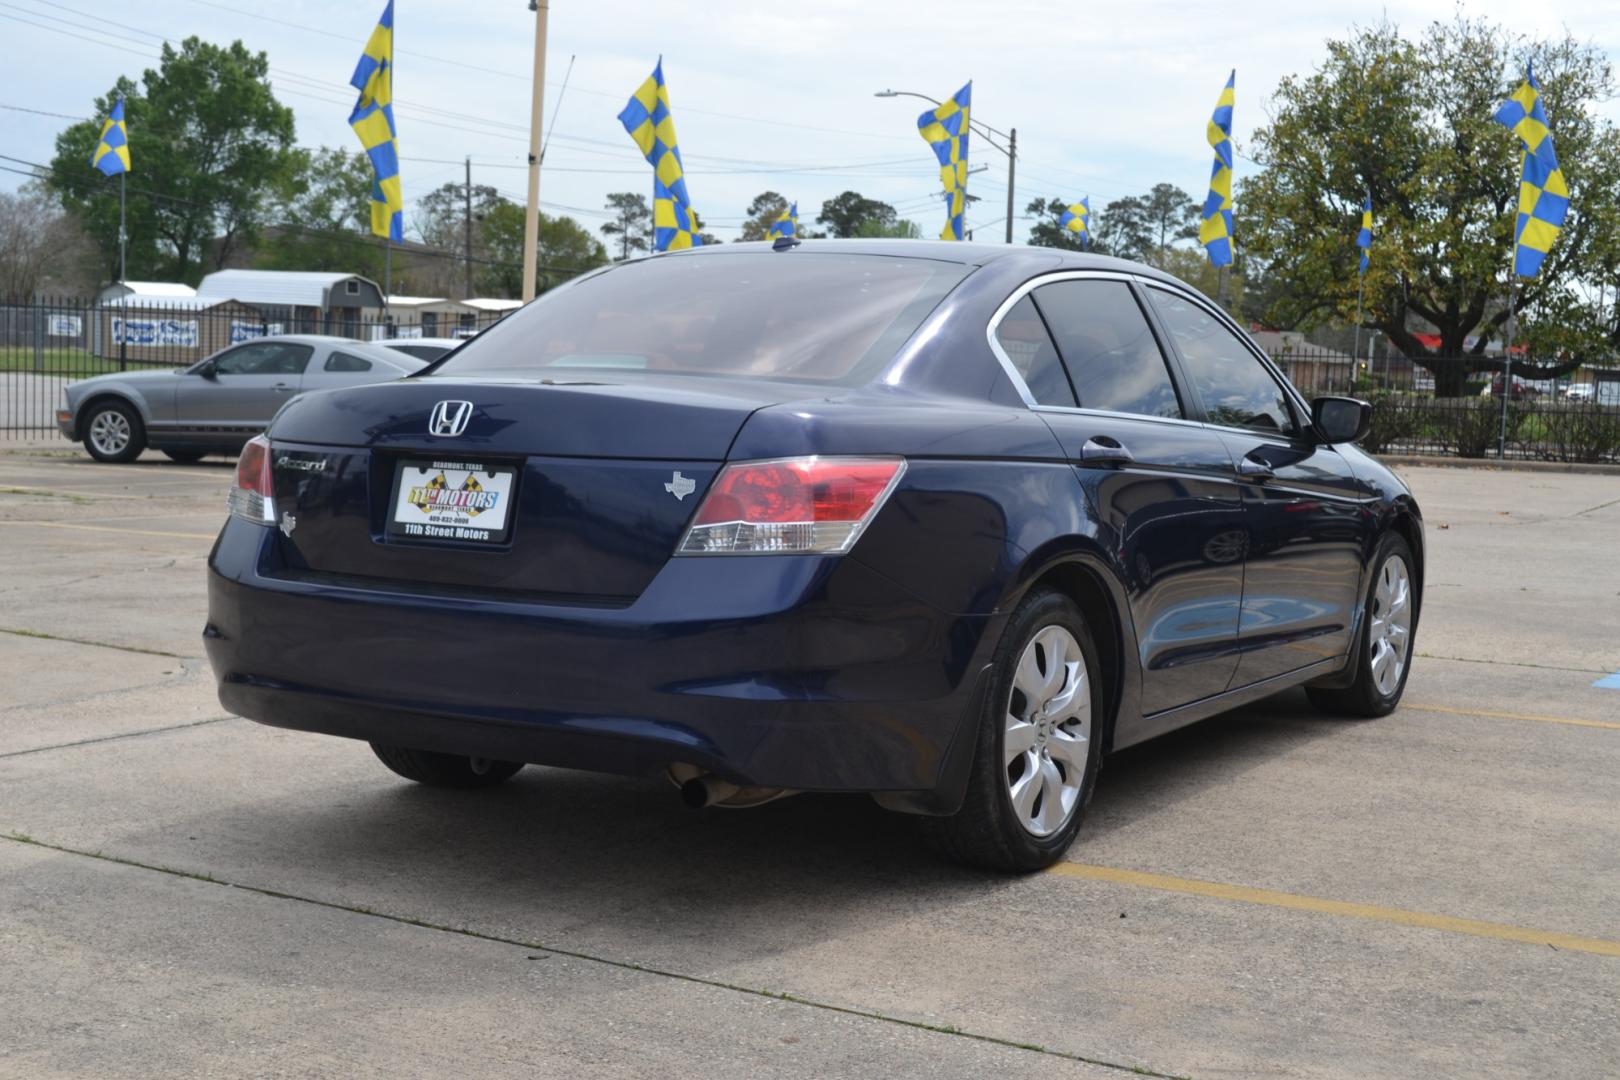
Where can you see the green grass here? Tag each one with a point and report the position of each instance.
(72, 363)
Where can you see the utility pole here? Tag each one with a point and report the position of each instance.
(467, 227)
(1012, 170)
(531, 220)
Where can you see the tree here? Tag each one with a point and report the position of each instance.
(1048, 230)
(441, 219)
(632, 222)
(901, 229)
(41, 248)
(323, 218)
(762, 214)
(846, 214)
(441, 214)
(1191, 264)
(1410, 123)
(704, 237)
(211, 147)
(1168, 215)
(566, 248)
(1123, 229)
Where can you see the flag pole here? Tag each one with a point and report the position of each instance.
(1361, 288)
(531, 217)
(388, 284)
(1507, 369)
(123, 231)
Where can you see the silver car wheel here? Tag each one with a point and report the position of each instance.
(1389, 634)
(109, 432)
(1047, 739)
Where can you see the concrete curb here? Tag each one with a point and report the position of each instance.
(1510, 465)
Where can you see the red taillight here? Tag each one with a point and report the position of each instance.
(795, 505)
(252, 494)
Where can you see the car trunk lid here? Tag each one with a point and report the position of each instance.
(598, 481)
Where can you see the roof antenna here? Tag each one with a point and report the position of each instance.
(785, 243)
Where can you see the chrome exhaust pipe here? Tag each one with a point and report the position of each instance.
(700, 789)
(706, 790)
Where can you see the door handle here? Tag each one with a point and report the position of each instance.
(1253, 469)
(1104, 450)
(282, 388)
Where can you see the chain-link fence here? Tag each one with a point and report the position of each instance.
(1433, 406)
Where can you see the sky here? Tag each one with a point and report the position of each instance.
(1107, 99)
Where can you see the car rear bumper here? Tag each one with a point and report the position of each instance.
(806, 673)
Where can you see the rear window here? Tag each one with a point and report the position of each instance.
(342, 361)
(429, 353)
(777, 315)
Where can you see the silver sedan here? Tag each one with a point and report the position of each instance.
(218, 404)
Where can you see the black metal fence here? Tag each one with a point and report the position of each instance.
(46, 344)
(1459, 410)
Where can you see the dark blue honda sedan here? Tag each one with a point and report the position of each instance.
(941, 523)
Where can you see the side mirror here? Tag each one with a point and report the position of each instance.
(1341, 419)
(206, 370)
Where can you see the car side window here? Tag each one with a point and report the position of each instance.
(1023, 337)
(341, 361)
(265, 358)
(1236, 388)
(1113, 360)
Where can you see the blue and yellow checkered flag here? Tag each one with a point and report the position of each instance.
(1215, 230)
(1543, 195)
(646, 117)
(946, 129)
(785, 226)
(373, 120)
(112, 152)
(1364, 237)
(1077, 219)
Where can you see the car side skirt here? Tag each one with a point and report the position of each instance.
(1162, 723)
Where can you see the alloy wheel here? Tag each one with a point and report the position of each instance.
(1046, 741)
(109, 431)
(1389, 635)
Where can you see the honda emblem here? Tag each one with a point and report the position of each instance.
(449, 418)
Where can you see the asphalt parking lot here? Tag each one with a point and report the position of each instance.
(1272, 892)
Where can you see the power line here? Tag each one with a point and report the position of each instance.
(523, 77)
(305, 86)
(42, 112)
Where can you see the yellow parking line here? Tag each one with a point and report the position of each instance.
(153, 470)
(106, 528)
(1570, 720)
(18, 489)
(1375, 912)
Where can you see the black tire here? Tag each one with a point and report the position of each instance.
(185, 457)
(987, 830)
(1363, 698)
(445, 770)
(131, 449)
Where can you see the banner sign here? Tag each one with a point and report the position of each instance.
(181, 333)
(65, 326)
(246, 331)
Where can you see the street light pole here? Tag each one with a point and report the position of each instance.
(531, 219)
(984, 131)
(1012, 172)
